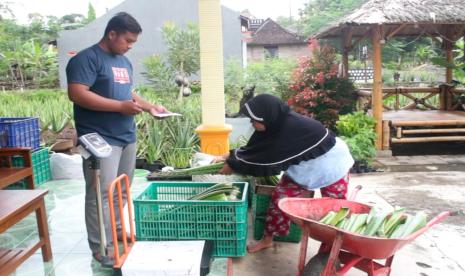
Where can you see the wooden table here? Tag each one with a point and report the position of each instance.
(14, 206)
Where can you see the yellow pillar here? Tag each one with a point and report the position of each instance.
(213, 133)
(377, 95)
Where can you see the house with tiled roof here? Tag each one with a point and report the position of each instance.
(266, 38)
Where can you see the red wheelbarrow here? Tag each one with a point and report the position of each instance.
(341, 250)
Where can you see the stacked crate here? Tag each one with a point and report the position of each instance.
(40, 166)
(25, 132)
(19, 132)
(260, 202)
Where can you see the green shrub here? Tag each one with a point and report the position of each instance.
(318, 91)
(357, 130)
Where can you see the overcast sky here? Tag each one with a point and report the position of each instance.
(259, 8)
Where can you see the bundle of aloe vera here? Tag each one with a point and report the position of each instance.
(207, 169)
(219, 192)
(377, 223)
(269, 180)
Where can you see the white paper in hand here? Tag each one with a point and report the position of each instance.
(167, 114)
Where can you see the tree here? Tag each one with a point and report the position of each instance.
(90, 14)
(290, 23)
(5, 10)
(181, 60)
(318, 13)
(26, 56)
(183, 49)
(72, 21)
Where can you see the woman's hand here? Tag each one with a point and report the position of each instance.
(220, 158)
(226, 169)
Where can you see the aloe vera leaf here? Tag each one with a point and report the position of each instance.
(381, 230)
(395, 219)
(397, 232)
(341, 223)
(210, 193)
(359, 222)
(208, 169)
(361, 229)
(350, 222)
(372, 213)
(234, 194)
(416, 223)
(341, 214)
(212, 189)
(328, 217)
(375, 223)
(217, 197)
(394, 226)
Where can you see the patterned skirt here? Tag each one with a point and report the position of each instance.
(277, 223)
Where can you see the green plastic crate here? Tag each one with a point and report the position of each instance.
(21, 185)
(260, 203)
(40, 165)
(295, 233)
(163, 213)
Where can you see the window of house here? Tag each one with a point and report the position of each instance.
(271, 51)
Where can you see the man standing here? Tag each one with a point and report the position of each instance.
(100, 84)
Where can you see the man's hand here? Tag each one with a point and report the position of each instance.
(226, 169)
(156, 109)
(130, 108)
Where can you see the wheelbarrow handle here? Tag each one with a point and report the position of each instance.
(443, 215)
(457, 213)
(354, 193)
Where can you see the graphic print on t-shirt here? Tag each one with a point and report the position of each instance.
(120, 75)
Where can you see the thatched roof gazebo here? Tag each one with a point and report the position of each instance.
(380, 20)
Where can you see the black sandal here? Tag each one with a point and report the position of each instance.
(106, 261)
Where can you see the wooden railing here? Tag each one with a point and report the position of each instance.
(423, 98)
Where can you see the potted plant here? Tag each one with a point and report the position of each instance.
(183, 142)
(154, 145)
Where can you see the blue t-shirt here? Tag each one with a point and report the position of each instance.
(109, 76)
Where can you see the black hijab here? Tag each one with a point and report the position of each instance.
(289, 138)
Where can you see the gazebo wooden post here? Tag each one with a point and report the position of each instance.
(448, 46)
(377, 96)
(463, 37)
(450, 59)
(346, 48)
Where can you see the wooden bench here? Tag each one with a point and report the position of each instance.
(10, 174)
(14, 206)
(415, 126)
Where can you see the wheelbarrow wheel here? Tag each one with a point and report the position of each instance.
(317, 264)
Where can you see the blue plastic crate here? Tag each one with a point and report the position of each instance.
(20, 132)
